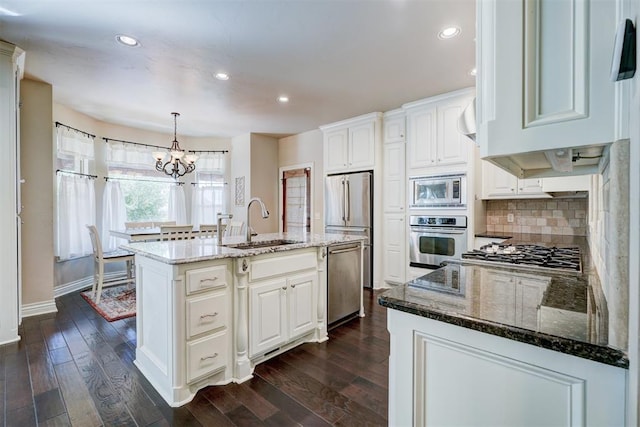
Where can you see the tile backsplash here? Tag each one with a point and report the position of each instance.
(547, 216)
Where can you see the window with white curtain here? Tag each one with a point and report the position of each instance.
(75, 193)
(146, 194)
(209, 194)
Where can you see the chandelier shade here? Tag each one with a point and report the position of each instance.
(179, 163)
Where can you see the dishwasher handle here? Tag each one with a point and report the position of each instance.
(341, 249)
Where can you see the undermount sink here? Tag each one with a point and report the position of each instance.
(262, 244)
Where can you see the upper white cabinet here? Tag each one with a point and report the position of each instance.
(351, 144)
(394, 127)
(497, 183)
(432, 131)
(393, 170)
(543, 79)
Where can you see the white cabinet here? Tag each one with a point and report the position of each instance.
(394, 179)
(394, 127)
(499, 184)
(184, 326)
(432, 131)
(281, 310)
(395, 248)
(543, 76)
(351, 144)
(11, 69)
(500, 381)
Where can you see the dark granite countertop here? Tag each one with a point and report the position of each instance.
(560, 312)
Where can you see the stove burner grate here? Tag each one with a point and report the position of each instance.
(550, 257)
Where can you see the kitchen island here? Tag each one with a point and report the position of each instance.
(480, 344)
(208, 313)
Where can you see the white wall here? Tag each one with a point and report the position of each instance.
(301, 149)
(240, 168)
(264, 182)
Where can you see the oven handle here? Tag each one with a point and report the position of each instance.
(436, 231)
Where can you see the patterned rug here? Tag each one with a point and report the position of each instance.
(117, 302)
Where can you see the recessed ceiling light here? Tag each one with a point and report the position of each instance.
(222, 76)
(283, 99)
(473, 72)
(448, 32)
(127, 40)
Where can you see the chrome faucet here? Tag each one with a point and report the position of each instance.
(265, 214)
(219, 217)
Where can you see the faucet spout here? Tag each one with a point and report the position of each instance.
(219, 217)
(265, 214)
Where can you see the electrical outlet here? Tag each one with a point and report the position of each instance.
(510, 217)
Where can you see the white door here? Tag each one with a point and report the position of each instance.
(393, 196)
(336, 149)
(361, 146)
(452, 145)
(302, 308)
(422, 138)
(395, 243)
(496, 182)
(267, 316)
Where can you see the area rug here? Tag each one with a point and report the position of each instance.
(117, 302)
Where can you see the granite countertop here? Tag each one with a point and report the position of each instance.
(561, 312)
(194, 250)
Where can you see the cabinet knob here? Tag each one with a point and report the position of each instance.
(512, 189)
(284, 288)
(401, 208)
(401, 135)
(293, 286)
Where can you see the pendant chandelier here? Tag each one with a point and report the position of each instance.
(179, 163)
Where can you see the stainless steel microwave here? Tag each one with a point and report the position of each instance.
(438, 191)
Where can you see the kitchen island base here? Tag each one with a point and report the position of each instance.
(443, 374)
(210, 322)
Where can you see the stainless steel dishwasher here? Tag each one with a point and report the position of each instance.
(344, 284)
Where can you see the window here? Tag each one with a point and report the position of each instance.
(75, 193)
(208, 198)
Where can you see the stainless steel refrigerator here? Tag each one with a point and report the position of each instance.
(348, 210)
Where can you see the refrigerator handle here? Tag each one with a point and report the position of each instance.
(343, 200)
(348, 202)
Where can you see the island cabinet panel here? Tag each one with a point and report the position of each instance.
(443, 374)
(267, 313)
(284, 308)
(184, 339)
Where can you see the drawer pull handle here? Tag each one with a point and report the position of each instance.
(213, 356)
(284, 288)
(293, 286)
(202, 281)
(204, 316)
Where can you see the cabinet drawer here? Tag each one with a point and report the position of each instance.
(202, 279)
(206, 313)
(206, 355)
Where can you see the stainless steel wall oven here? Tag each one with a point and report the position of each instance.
(433, 239)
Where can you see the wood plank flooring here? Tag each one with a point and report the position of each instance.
(73, 368)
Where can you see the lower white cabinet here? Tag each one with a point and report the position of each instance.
(442, 374)
(395, 248)
(281, 310)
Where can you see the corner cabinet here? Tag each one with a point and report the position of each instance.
(351, 144)
(11, 71)
(432, 131)
(498, 381)
(543, 76)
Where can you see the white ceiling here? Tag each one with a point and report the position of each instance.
(335, 59)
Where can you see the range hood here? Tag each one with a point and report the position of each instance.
(583, 160)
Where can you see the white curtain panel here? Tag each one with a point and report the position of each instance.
(114, 215)
(211, 162)
(130, 155)
(76, 210)
(177, 205)
(206, 202)
(73, 143)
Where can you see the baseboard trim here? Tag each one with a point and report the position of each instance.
(38, 308)
(78, 285)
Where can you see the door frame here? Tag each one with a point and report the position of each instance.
(283, 169)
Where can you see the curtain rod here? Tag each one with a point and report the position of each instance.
(77, 130)
(162, 148)
(76, 173)
(208, 183)
(107, 178)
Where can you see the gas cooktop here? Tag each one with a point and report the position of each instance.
(563, 259)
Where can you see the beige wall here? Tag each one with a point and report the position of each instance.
(240, 167)
(36, 167)
(264, 182)
(301, 149)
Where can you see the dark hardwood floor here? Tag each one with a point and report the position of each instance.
(75, 368)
